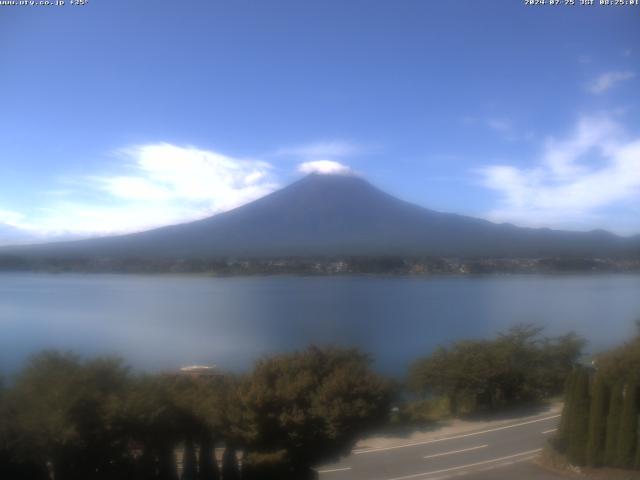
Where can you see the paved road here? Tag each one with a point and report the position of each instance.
(485, 454)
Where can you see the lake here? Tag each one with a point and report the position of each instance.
(159, 322)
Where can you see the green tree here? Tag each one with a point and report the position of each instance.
(579, 419)
(627, 431)
(563, 428)
(597, 422)
(312, 404)
(613, 424)
(520, 365)
(152, 419)
(64, 411)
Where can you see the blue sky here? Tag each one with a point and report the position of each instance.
(123, 115)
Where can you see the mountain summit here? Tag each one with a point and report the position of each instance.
(339, 215)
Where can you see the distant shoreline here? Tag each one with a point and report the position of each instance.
(394, 266)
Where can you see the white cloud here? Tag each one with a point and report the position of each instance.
(324, 167)
(575, 179)
(11, 218)
(13, 229)
(328, 149)
(607, 80)
(162, 184)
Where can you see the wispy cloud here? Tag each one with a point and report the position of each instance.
(161, 184)
(584, 59)
(325, 167)
(9, 217)
(499, 124)
(324, 149)
(607, 80)
(574, 179)
(504, 126)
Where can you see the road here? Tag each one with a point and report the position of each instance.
(496, 452)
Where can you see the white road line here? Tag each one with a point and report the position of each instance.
(550, 430)
(426, 442)
(331, 470)
(460, 467)
(456, 451)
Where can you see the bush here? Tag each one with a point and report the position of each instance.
(267, 466)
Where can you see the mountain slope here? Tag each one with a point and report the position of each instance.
(339, 215)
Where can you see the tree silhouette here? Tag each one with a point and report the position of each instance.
(597, 422)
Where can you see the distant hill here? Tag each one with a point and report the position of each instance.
(338, 215)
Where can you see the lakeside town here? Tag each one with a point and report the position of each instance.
(376, 265)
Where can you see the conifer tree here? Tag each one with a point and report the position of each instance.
(563, 429)
(613, 425)
(628, 426)
(597, 422)
(579, 419)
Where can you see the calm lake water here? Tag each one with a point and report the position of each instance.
(159, 322)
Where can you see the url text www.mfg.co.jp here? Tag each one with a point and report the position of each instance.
(42, 3)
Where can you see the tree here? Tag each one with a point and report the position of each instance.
(152, 419)
(597, 422)
(627, 431)
(189, 461)
(312, 404)
(207, 463)
(520, 365)
(64, 411)
(579, 418)
(563, 428)
(613, 425)
(230, 469)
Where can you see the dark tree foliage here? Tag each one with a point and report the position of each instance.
(579, 419)
(266, 466)
(628, 429)
(230, 468)
(189, 461)
(520, 365)
(312, 404)
(563, 428)
(65, 411)
(622, 363)
(207, 463)
(613, 424)
(597, 421)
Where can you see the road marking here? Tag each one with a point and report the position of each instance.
(331, 470)
(460, 467)
(456, 451)
(549, 431)
(426, 442)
